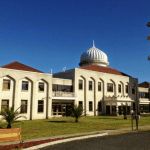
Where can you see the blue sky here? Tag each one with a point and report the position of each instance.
(52, 34)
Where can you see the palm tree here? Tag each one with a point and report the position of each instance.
(10, 116)
(77, 112)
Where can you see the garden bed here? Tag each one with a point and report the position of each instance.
(27, 144)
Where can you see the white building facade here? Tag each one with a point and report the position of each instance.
(144, 98)
(100, 90)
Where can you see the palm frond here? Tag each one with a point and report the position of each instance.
(9, 115)
(20, 117)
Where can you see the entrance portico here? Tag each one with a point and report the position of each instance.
(62, 103)
(113, 105)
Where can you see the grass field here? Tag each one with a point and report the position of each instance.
(50, 127)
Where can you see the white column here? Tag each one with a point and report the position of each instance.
(116, 90)
(86, 103)
(123, 89)
(104, 94)
(95, 92)
(15, 99)
(34, 104)
(117, 110)
(49, 101)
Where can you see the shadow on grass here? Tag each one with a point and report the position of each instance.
(60, 121)
(112, 118)
(2, 128)
(109, 129)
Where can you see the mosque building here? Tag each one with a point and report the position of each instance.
(99, 89)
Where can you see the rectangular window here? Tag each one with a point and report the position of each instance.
(143, 95)
(23, 106)
(6, 84)
(99, 106)
(40, 106)
(25, 85)
(144, 108)
(109, 87)
(5, 103)
(99, 86)
(90, 85)
(41, 86)
(119, 88)
(90, 106)
(80, 104)
(80, 84)
(126, 88)
(54, 86)
(133, 90)
(63, 88)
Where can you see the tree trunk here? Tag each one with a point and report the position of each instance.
(9, 126)
(76, 120)
(125, 117)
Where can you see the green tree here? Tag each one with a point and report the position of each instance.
(10, 116)
(77, 112)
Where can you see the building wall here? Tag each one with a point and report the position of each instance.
(95, 96)
(15, 94)
(68, 74)
(144, 100)
(61, 81)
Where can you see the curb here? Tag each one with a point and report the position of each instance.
(64, 140)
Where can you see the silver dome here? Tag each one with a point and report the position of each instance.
(94, 56)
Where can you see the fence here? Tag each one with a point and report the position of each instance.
(10, 135)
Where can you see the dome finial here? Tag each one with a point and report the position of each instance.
(93, 44)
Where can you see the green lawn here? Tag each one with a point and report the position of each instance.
(67, 125)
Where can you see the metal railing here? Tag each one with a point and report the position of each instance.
(63, 94)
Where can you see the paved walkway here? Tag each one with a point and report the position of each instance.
(78, 134)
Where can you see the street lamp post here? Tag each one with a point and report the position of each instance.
(132, 118)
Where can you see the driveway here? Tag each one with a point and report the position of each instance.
(128, 141)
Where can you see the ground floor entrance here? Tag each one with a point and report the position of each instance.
(114, 110)
(117, 108)
(124, 110)
(62, 108)
(107, 110)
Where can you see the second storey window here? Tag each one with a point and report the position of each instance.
(80, 84)
(99, 86)
(5, 103)
(25, 85)
(40, 106)
(126, 88)
(63, 88)
(119, 88)
(143, 95)
(41, 86)
(23, 106)
(109, 87)
(90, 106)
(133, 90)
(6, 84)
(90, 85)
